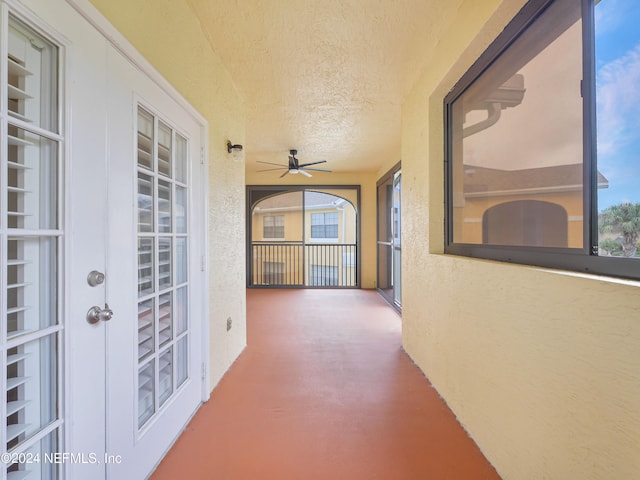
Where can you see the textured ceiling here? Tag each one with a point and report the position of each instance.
(326, 77)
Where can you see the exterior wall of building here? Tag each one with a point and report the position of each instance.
(475, 209)
(346, 224)
(279, 264)
(292, 225)
(539, 365)
(170, 38)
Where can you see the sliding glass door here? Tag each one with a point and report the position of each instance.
(389, 271)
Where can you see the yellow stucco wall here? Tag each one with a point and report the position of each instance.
(292, 225)
(168, 35)
(541, 367)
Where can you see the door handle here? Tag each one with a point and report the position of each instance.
(95, 278)
(95, 314)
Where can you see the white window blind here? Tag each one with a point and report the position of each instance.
(163, 289)
(30, 336)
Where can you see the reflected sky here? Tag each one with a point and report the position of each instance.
(618, 99)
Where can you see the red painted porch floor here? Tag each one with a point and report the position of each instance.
(323, 391)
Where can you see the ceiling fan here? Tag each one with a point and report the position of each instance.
(295, 166)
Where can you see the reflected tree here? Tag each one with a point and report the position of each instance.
(624, 220)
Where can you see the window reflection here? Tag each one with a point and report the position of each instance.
(517, 144)
(617, 41)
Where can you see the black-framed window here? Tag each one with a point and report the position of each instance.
(273, 226)
(542, 135)
(324, 225)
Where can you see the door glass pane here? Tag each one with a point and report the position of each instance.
(182, 361)
(162, 263)
(385, 213)
(31, 388)
(164, 149)
(181, 260)
(165, 319)
(145, 203)
(42, 469)
(166, 375)
(32, 180)
(32, 73)
(181, 159)
(385, 207)
(181, 310)
(396, 228)
(146, 393)
(164, 273)
(164, 206)
(146, 266)
(30, 339)
(31, 284)
(181, 210)
(145, 139)
(385, 270)
(146, 329)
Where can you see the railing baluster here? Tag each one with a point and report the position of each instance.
(299, 264)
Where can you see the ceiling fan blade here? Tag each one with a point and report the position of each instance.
(272, 169)
(311, 163)
(305, 173)
(316, 169)
(269, 163)
(287, 171)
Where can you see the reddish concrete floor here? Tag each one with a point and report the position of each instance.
(323, 391)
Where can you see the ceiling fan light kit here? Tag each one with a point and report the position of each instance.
(294, 167)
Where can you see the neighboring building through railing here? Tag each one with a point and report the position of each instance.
(304, 239)
(296, 264)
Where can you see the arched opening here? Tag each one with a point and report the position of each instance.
(525, 223)
(305, 237)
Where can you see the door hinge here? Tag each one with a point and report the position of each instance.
(204, 371)
(203, 263)
(201, 155)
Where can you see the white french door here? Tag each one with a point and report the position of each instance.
(31, 242)
(102, 240)
(155, 274)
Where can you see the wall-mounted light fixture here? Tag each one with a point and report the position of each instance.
(235, 151)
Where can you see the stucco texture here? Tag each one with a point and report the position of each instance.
(169, 36)
(541, 367)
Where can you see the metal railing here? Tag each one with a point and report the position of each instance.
(296, 264)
